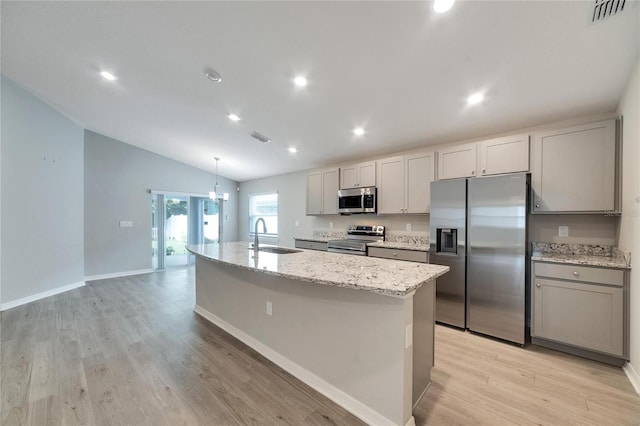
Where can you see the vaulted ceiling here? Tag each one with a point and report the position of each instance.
(397, 69)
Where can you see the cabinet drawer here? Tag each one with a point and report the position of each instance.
(311, 245)
(580, 273)
(408, 255)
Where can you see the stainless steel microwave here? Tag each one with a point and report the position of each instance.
(357, 200)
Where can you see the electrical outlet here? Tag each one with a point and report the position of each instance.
(408, 336)
(563, 231)
(408, 227)
(269, 308)
(297, 223)
(126, 224)
(331, 225)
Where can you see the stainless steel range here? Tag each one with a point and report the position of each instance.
(357, 238)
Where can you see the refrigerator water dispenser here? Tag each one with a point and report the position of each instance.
(447, 241)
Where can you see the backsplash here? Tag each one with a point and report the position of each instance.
(334, 235)
(579, 249)
(397, 237)
(616, 252)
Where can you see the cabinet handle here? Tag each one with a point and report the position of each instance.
(395, 254)
(537, 205)
(575, 273)
(473, 172)
(537, 284)
(484, 170)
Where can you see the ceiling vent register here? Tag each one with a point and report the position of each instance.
(260, 137)
(604, 9)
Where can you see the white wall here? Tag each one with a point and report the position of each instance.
(291, 190)
(42, 197)
(118, 178)
(629, 232)
(583, 228)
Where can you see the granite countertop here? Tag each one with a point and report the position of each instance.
(382, 276)
(582, 259)
(400, 245)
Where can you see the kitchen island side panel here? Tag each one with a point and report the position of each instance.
(354, 340)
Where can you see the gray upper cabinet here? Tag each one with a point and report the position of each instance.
(390, 185)
(322, 192)
(508, 154)
(457, 161)
(575, 169)
(419, 173)
(404, 183)
(358, 175)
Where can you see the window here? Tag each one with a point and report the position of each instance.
(264, 206)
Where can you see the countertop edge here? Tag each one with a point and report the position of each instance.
(615, 263)
(399, 246)
(384, 292)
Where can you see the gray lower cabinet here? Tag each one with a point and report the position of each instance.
(399, 254)
(310, 245)
(579, 306)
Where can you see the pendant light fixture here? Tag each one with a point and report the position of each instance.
(214, 195)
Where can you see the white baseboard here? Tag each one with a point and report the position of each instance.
(118, 274)
(357, 408)
(38, 296)
(633, 376)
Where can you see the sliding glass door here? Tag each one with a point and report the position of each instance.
(179, 220)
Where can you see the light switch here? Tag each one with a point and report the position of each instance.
(563, 231)
(330, 224)
(408, 227)
(297, 223)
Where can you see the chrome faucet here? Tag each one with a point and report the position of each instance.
(256, 241)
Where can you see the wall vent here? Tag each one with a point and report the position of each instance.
(260, 137)
(604, 9)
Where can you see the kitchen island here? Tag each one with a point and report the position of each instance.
(357, 329)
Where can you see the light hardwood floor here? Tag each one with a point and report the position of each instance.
(131, 351)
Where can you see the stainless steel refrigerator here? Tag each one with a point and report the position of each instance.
(495, 251)
(448, 247)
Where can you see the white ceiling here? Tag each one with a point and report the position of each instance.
(397, 68)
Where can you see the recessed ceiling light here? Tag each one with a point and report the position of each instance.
(108, 76)
(233, 117)
(442, 6)
(358, 131)
(292, 150)
(476, 98)
(300, 81)
(214, 76)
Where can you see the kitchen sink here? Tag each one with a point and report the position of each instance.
(277, 250)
